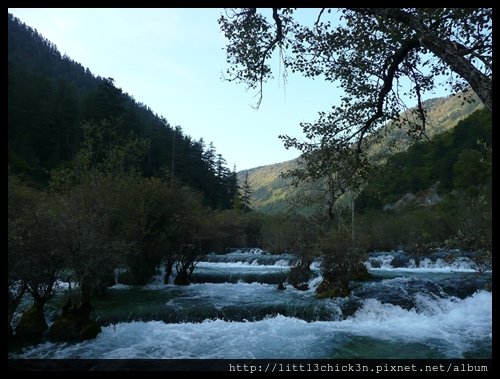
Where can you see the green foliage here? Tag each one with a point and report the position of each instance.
(469, 169)
(442, 114)
(459, 159)
(246, 194)
(269, 190)
(85, 233)
(472, 222)
(127, 219)
(333, 172)
(278, 233)
(54, 104)
(461, 220)
(368, 52)
(32, 241)
(271, 193)
(107, 148)
(415, 230)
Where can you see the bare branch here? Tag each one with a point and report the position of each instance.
(319, 17)
(450, 52)
(250, 12)
(396, 60)
(420, 108)
(277, 39)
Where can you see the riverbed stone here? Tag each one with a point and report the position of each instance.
(32, 326)
(89, 330)
(299, 277)
(182, 279)
(464, 287)
(126, 277)
(329, 289)
(361, 273)
(400, 260)
(74, 325)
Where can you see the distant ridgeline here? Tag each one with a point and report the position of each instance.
(457, 156)
(49, 98)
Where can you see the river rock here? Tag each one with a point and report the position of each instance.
(74, 325)
(66, 329)
(126, 277)
(182, 279)
(361, 273)
(400, 260)
(299, 277)
(401, 293)
(330, 289)
(89, 330)
(32, 326)
(350, 307)
(374, 263)
(464, 287)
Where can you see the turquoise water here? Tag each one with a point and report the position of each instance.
(409, 314)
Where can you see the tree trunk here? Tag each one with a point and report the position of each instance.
(168, 269)
(449, 53)
(85, 293)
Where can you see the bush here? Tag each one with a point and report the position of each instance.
(342, 263)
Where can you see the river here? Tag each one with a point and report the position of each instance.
(431, 308)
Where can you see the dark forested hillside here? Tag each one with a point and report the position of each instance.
(97, 183)
(50, 97)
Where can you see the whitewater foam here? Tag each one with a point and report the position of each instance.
(450, 326)
(384, 262)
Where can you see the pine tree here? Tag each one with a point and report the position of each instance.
(246, 195)
(234, 190)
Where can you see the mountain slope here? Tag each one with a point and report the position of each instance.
(51, 96)
(272, 194)
(443, 113)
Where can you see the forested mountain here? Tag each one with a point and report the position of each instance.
(442, 113)
(456, 160)
(51, 96)
(272, 194)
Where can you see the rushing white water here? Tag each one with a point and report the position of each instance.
(241, 266)
(235, 311)
(443, 326)
(382, 262)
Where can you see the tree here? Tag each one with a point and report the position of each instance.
(209, 158)
(378, 55)
(105, 102)
(83, 231)
(234, 189)
(334, 171)
(469, 170)
(246, 195)
(35, 256)
(101, 184)
(51, 97)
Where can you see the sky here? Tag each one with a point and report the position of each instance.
(172, 60)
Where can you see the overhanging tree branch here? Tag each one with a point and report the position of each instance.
(450, 52)
(277, 39)
(396, 60)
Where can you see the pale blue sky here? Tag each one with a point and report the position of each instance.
(172, 61)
